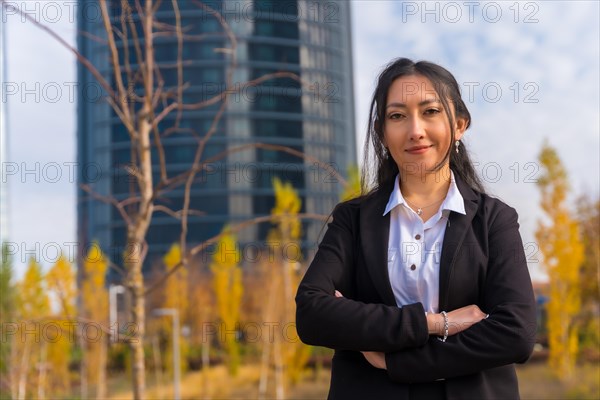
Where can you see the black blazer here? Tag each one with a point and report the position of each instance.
(482, 262)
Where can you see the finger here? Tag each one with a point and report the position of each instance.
(338, 294)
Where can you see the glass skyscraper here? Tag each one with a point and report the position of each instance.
(309, 38)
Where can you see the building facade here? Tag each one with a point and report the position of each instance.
(314, 116)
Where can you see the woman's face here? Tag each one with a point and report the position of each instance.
(416, 129)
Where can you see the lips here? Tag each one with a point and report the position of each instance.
(417, 149)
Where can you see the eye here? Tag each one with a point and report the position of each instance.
(432, 111)
(395, 115)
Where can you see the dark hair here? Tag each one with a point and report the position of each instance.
(448, 90)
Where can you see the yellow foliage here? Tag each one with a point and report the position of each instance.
(352, 188)
(589, 223)
(563, 254)
(285, 278)
(297, 353)
(176, 292)
(32, 305)
(176, 296)
(94, 295)
(94, 299)
(32, 299)
(227, 281)
(287, 207)
(61, 282)
(173, 257)
(58, 358)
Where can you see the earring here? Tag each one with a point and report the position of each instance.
(457, 144)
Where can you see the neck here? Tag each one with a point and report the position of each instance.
(424, 187)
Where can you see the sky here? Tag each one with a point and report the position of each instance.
(529, 72)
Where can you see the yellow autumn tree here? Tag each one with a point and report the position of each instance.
(560, 244)
(175, 297)
(352, 188)
(30, 355)
(227, 281)
(588, 218)
(61, 283)
(289, 353)
(94, 303)
(7, 312)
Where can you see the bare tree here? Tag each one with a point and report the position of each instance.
(141, 100)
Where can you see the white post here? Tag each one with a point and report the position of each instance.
(113, 291)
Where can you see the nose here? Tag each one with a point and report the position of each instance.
(416, 129)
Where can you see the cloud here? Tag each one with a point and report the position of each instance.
(42, 117)
(547, 72)
(559, 53)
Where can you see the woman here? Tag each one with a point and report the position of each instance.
(421, 285)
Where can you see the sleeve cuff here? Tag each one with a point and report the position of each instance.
(414, 325)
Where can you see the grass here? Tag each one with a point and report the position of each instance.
(216, 384)
(536, 382)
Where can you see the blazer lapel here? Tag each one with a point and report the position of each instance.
(456, 230)
(374, 235)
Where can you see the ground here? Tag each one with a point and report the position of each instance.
(536, 382)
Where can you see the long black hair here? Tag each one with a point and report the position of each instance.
(447, 89)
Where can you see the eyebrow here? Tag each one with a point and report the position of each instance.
(422, 103)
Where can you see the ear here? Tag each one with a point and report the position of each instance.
(460, 126)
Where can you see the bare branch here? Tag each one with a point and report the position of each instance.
(132, 171)
(221, 21)
(121, 90)
(179, 60)
(117, 268)
(191, 38)
(107, 199)
(190, 179)
(178, 179)
(130, 200)
(176, 214)
(126, 16)
(233, 228)
(80, 57)
(221, 96)
(91, 36)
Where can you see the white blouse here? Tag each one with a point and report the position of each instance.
(415, 248)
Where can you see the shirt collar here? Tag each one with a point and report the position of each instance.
(453, 201)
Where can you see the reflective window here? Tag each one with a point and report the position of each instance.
(277, 128)
(266, 7)
(274, 53)
(273, 156)
(293, 173)
(274, 102)
(281, 29)
(121, 157)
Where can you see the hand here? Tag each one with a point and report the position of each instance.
(375, 358)
(462, 318)
(458, 320)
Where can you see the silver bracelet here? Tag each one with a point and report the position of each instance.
(446, 327)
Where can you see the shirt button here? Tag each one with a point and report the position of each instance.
(413, 267)
(418, 237)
